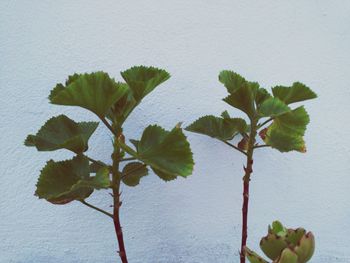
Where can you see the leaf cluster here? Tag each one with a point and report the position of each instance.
(167, 153)
(286, 125)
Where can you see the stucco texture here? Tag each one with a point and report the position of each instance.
(193, 220)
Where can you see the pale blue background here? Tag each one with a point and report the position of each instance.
(196, 220)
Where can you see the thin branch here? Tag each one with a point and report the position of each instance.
(96, 208)
(261, 146)
(105, 122)
(127, 159)
(234, 147)
(133, 170)
(265, 122)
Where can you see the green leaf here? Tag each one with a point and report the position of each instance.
(231, 80)
(261, 95)
(133, 172)
(219, 128)
(165, 151)
(58, 178)
(297, 92)
(163, 175)
(100, 181)
(120, 110)
(287, 131)
(288, 256)
(278, 229)
(62, 133)
(306, 247)
(253, 257)
(142, 80)
(272, 107)
(242, 92)
(96, 92)
(134, 142)
(294, 235)
(65, 181)
(94, 167)
(272, 245)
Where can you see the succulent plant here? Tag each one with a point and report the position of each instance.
(284, 245)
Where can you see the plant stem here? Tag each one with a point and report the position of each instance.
(105, 122)
(235, 147)
(96, 208)
(248, 169)
(116, 201)
(265, 122)
(95, 161)
(261, 146)
(127, 159)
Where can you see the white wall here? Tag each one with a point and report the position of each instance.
(196, 220)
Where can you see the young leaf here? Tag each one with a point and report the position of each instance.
(165, 151)
(123, 107)
(272, 107)
(253, 257)
(272, 246)
(142, 80)
(65, 181)
(133, 172)
(288, 256)
(297, 92)
(287, 131)
(96, 92)
(219, 128)
(278, 229)
(62, 133)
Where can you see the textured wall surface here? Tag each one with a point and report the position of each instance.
(194, 220)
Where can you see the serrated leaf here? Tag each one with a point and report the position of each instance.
(62, 133)
(163, 175)
(219, 128)
(165, 151)
(297, 92)
(133, 172)
(272, 107)
(261, 95)
(65, 181)
(231, 80)
(225, 115)
(253, 257)
(142, 80)
(96, 92)
(287, 131)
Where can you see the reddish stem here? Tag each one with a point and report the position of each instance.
(118, 228)
(248, 169)
(245, 213)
